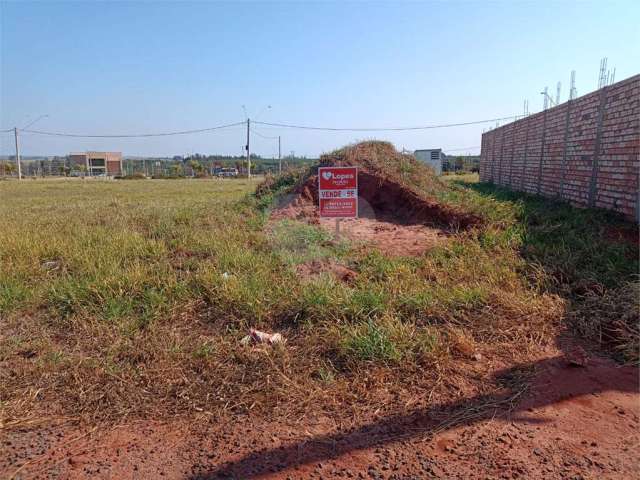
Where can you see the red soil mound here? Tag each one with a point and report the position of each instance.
(386, 199)
(397, 207)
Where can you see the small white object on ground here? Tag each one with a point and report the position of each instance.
(256, 336)
(51, 265)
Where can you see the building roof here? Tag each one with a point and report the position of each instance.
(93, 153)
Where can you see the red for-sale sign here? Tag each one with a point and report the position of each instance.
(338, 192)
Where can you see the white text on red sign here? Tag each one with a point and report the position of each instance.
(350, 193)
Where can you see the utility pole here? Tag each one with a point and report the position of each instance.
(15, 133)
(248, 151)
(279, 156)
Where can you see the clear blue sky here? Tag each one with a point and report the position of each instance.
(154, 66)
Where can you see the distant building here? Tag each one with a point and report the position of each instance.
(98, 163)
(433, 158)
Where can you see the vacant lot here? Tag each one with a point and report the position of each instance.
(120, 300)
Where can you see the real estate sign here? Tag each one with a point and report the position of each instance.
(338, 192)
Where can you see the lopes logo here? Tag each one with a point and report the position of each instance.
(327, 175)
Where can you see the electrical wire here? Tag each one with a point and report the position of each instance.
(459, 149)
(386, 129)
(263, 136)
(282, 125)
(139, 135)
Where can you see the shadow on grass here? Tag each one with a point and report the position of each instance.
(589, 257)
(562, 383)
(580, 250)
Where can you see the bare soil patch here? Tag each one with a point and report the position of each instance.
(575, 422)
(389, 237)
(378, 228)
(316, 267)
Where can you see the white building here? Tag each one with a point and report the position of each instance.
(433, 158)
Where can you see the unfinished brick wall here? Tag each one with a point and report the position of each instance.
(585, 151)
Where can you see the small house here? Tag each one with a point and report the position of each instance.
(98, 163)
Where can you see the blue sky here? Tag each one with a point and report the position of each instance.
(112, 68)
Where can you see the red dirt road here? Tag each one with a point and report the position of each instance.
(574, 422)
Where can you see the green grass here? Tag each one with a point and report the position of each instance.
(134, 295)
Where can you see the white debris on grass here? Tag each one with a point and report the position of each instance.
(256, 336)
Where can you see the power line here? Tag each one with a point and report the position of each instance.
(282, 125)
(253, 130)
(460, 149)
(138, 135)
(386, 129)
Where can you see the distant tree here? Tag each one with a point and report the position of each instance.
(76, 167)
(197, 167)
(9, 168)
(176, 170)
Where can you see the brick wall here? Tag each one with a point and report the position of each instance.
(585, 151)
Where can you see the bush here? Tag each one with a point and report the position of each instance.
(133, 176)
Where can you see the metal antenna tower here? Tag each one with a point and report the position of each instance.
(546, 98)
(602, 78)
(572, 91)
(606, 77)
(559, 86)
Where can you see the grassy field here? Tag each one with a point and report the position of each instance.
(125, 298)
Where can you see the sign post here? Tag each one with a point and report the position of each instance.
(338, 193)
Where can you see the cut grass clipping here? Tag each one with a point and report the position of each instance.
(122, 299)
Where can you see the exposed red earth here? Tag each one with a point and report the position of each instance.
(575, 422)
(403, 232)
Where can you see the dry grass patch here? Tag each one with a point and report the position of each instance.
(125, 299)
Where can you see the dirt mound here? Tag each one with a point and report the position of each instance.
(391, 186)
(398, 206)
(386, 199)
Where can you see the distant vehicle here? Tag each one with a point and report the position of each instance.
(228, 172)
